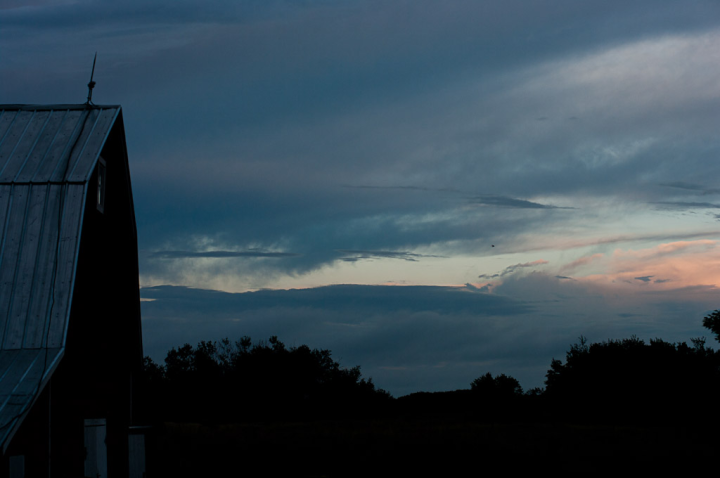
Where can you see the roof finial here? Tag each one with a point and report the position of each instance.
(91, 85)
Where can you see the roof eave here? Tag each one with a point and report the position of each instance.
(82, 106)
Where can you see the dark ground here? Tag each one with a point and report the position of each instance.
(427, 446)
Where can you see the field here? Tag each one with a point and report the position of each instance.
(440, 446)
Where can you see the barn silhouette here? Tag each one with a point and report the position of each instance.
(70, 332)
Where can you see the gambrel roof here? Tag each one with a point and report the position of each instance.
(47, 157)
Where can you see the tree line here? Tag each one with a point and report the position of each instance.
(623, 381)
(239, 381)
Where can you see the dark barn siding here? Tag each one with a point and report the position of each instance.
(103, 342)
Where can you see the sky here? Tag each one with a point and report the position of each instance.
(431, 190)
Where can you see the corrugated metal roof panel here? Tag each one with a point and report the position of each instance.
(52, 143)
(35, 268)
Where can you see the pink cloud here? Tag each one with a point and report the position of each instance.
(514, 268)
(583, 261)
(666, 266)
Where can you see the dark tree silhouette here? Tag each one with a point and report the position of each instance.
(225, 381)
(631, 381)
(500, 386)
(712, 322)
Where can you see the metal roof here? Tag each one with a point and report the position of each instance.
(47, 156)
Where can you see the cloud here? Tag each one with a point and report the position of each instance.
(361, 298)
(400, 334)
(217, 254)
(64, 14)
(244, 119)
(270, 174)
(670, 248)
(397, 334)
(691, 187)
(513, 268)
(406, 188)
(680, 264)
(680, 246)
(581, 262)
(687, 205)
(540, 243)
(360, 255)
(501, 201)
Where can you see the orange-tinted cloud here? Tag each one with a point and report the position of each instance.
(583, 261)
(514, 268)
(666, 266)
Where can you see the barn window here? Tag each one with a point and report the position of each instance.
(101, 185)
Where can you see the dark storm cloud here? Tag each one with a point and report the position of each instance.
(217, 254)
(317, 227)
(501, 201)
(644, 278)
(361, 299)
(405, 338)
(424, 338)
(354, 256)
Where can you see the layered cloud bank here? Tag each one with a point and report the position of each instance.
(427, 338)
(411, 338)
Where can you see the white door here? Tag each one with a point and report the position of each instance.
(136, 447)
(95, 448)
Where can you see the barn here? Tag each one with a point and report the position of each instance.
(70, 331)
